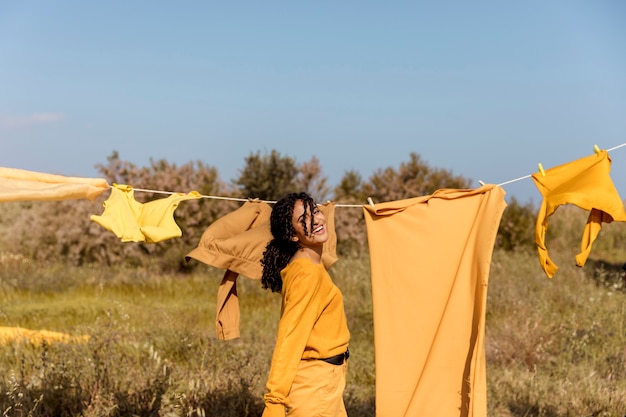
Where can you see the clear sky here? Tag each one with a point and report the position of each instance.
(486, 89)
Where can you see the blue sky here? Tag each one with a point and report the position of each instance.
(486, 89)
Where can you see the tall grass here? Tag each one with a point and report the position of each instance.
(555, 347)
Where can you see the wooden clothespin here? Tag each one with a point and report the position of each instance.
(481, 182)
(369, 200)
(596, 149)
(543, 173)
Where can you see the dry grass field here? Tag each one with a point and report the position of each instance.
(555, 347)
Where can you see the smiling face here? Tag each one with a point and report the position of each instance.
(308, 236)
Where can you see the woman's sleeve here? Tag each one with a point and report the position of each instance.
(299, 314)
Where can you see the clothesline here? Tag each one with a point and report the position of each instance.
(528, 176)
(214, 197)
(233, 198)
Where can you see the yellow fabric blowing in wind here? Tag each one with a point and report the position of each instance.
(22, 185)
(586, 183)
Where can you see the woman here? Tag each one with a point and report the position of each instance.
(308, 372)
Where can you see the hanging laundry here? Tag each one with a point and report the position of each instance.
(237, 240)
(236, 243)
(430, 258)
(132, 221)
(587, 184)
(37, 337)
(23, 185)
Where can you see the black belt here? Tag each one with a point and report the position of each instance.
(337, 359)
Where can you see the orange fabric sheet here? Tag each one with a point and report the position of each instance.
(22, 185)
(430, 258)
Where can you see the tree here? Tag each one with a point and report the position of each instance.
(349, 221)
(517, 227)
(192, 216)
(267, 177)
(311, 179)
(350, 188)
(413, 179)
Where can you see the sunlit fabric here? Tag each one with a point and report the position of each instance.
(430, 258)
(586, 183)
(132, 221)
(236, 242)
(37, 337)
(23, 185)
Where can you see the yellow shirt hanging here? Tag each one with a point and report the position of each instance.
(587, 184)
(132, 221)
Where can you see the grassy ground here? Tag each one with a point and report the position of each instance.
(152, 348)
(555, 347)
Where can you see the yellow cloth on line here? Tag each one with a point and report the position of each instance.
(586, 183)
(132, 221)
(430, 258)
(37, 337)
(22, 185)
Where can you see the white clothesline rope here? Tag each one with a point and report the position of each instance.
(215, 197)
(370, 202)
(528, 176)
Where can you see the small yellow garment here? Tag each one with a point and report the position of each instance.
(132, 221)
(37, 337)
(587, 184)
(430, 258)
(23, 185)
(236, 242)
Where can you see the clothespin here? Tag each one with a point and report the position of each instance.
(543, 173)
(369, 200)
(481, 182)
(596, 149)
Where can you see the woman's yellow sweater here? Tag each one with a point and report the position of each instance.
(312, 326)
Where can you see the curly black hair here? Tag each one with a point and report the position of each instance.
(281, 248)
